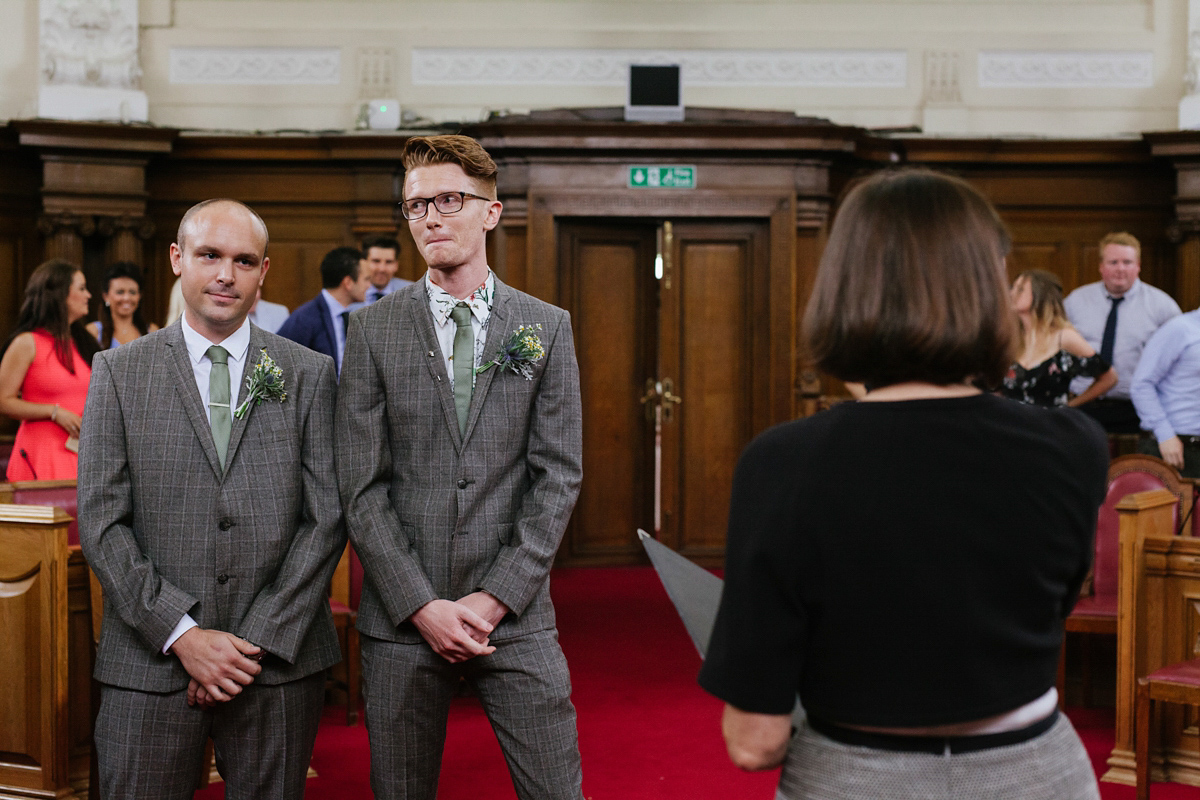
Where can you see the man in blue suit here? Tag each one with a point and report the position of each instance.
(320, 324)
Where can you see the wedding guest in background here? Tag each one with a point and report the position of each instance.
(1051, 353)
(962, 565)
(1166, 393)
(175, 304)
(320, 324)
(44, 373)
(120, 314)
(383, 260)
(1117, 315)
(267, 315)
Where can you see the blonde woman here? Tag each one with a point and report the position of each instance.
(1051, 353)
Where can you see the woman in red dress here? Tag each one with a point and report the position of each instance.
(44, 373)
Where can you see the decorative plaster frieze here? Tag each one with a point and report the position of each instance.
(1066, 70)
(941, 77)
(544, 67)
(90, 43)
(256, 65)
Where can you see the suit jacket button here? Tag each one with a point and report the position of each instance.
(462, 484)
(224, 524)
(222, 579)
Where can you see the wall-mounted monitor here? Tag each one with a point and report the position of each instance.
(655, 93)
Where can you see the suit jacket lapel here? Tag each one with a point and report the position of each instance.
(498, 331)
(253, 353)
(189, 395)
(422, 320)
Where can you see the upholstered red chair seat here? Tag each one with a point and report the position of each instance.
(1185, 673)
(1097, 605)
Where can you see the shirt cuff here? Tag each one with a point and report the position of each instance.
(185, 625)
(1163, 432)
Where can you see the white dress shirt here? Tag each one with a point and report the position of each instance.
(236, 344)
(442, 302)
(269, 316)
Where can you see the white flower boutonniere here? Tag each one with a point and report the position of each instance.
(518, 355)
(265, 382)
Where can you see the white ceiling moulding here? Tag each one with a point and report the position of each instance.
(228, 66)
(1008, 69)
(566, 67)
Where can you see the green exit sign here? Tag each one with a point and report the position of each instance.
(662, 177)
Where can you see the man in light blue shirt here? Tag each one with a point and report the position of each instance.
(1166, 393)
(1117, 315)
(383, 260)
(267, 315)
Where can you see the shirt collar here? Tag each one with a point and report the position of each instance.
(237, 343)
(480, 302)
(1134, 288)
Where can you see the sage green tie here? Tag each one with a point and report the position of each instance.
(218, 400)
(464, 362)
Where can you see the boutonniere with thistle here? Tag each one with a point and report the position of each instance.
(264, 383)
(518, 355)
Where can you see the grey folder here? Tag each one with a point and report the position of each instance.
(695, 593)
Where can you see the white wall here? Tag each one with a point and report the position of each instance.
(1057, 67)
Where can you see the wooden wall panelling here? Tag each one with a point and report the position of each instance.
(35, 741)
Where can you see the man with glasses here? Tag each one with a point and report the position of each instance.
(458, 477)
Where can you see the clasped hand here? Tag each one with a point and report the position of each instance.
(219, 664)
(458, 631)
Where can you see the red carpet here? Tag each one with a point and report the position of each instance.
(646, 730)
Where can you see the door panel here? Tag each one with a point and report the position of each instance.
(707, 345)
(689, 335)
(610, 293)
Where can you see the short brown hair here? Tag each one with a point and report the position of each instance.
(911, 285)
(1122, 238)
(423, 151)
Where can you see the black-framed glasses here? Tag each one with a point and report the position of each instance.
(445, 203)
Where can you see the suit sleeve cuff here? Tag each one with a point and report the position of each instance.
(185, 625)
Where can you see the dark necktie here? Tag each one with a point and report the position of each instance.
(464, 362)
(218, 400)
(1110, 331)
(345, 318)
(375, 294)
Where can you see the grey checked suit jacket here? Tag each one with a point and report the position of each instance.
(437, 515)
(250, 551)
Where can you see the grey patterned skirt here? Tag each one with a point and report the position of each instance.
(1053, 766)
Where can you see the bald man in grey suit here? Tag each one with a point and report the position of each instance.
(458, 479)
(214, 535)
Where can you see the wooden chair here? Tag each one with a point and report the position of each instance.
(1095, 612)
(1149, 585)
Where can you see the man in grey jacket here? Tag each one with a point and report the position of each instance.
(214, 531)
(458, 476)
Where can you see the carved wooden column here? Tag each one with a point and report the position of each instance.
(94, 189)
(126, 238)
(813, 205)
(64, 234)
(1183, 149)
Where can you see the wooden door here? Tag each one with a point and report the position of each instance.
(672, 359)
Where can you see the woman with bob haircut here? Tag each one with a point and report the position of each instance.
(904, 564)
(44, 372)
(1052, 353)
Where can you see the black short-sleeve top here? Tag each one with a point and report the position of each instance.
(906, 563)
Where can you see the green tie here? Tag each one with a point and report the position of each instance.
(218, 400)
(464, 362)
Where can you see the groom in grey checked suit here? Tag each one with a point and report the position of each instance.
(457, 495)
(213, 536)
